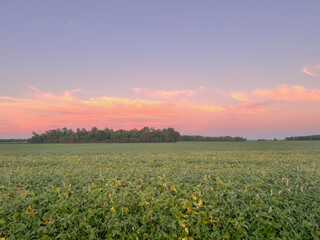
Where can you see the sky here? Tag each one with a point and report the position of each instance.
(213, 68)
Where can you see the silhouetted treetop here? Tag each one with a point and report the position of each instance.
(211, 139)
(107, 135)
(303, 138)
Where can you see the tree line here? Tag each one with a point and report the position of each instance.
(303, 138)
(144, 135)
(12, 140)
(211, 139)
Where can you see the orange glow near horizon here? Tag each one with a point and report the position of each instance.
(40, 111)
(44, 110)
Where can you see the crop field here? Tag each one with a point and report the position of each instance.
(185, 190)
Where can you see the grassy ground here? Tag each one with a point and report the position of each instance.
(209, 190)
(149, 147)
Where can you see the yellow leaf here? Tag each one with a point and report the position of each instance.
(200, 203)
(212, 221)
(188, 209)
(182, 225)
(187, 230)
(174, 189)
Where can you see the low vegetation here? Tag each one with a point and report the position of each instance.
(230, 190)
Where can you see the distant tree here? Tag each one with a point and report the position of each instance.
(107, 135)
(211, 139)
(13, 140)
(145, 134)
(66, 135)
(303, 138)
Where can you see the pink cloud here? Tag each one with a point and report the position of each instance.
(39, 111)
(312, 70)
(282, 92)
(43, 110)
(241, 96)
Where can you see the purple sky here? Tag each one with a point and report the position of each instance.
(249, 68)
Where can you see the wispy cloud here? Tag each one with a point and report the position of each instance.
(312, 70)
(282, 92)
(241, 96)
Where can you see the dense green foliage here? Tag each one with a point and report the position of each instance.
(211, 139)
(12, 140)
(95, 135)
(229, 190)
(303, 138)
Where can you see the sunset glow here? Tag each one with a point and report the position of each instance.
(39, 111)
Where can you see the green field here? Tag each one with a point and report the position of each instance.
(185, 190)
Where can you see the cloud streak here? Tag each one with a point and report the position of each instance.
(282, 92)
(313, 71)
